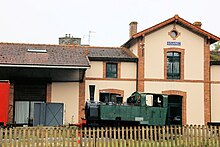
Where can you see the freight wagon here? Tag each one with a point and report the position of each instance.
(4, 102)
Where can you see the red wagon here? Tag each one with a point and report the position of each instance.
(4, 101)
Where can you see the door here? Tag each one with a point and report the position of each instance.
(54, 114)
(25, 95)
(174, 114)
(48, 114)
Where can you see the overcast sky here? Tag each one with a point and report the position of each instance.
(44, 21)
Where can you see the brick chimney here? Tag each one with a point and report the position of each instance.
(69, 40)
(132, 28)
(197, 24)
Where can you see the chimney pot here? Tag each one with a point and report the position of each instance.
(197, 24)
(132, 28)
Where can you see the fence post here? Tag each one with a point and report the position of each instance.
(135, 136)
(110, 135)
(151, 136)
(106, 136)
(195, 135)
(143, 136)
(199, 135)
(126, 134)
(131, 137)
(102, 136)
(94, 137)
(123, 137)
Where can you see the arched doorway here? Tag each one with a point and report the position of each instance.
(176, 107)
(174, 113)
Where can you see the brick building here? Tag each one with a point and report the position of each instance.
(172, 57)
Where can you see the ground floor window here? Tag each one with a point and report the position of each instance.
(24, 112)
(109, 97)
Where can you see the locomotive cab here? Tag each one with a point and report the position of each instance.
(139, 109)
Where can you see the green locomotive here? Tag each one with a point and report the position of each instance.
(139, 109)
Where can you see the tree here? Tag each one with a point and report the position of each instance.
(217, 46)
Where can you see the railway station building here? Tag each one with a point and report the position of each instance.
(172, 57)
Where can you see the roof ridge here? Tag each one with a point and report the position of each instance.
(64, 45)
(178, 19)
(129, 52)
(37, 44)
(108, 47)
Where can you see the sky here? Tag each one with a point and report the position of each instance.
(44, 21)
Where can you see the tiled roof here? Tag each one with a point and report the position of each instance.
(18, 54)
(177, 20)
(59, 55)
(112, 54)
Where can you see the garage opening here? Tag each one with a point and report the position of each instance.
(25, 95)
(174, 114)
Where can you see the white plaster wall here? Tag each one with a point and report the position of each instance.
(194, 98)
(128, 70)
(67, 93)
(128, 86)
(193, 58)
(134, 49)
(215, 102)
(96, 69)
(215, 72)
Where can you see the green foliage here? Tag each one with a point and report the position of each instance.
(217, 46)
(214, 57)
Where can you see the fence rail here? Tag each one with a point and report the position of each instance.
(140, 136)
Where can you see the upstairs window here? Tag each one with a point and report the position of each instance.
(111, 70)
(173, 65)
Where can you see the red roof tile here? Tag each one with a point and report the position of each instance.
(177, 20)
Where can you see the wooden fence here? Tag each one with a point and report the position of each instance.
(141, 136)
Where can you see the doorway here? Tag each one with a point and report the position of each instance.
(25, 95)
(174, 114)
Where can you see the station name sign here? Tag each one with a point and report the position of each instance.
(173, 43)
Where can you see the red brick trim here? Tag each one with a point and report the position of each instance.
(176, 18)
(182, 52)
(49, 91)
(183, 94)
(215, 82)
(174, 30)
(11, 104)
(167, 80)
(81, 100)
(141, 60)
(115, 91)
(110, 79)
(207, 95)
(153, 80)
(118, 70)
(104, 70)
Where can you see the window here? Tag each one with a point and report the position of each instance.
(110, 97)
(111, 70)
(173, 65)
(174, 33)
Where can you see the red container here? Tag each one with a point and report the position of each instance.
(4, 101)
